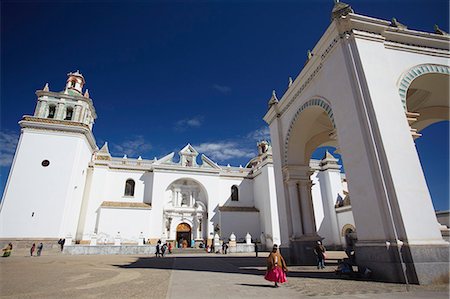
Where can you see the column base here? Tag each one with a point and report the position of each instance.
(301, 250)
(424, 264)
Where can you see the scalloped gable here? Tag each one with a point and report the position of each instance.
(167, 159)
(208, 163)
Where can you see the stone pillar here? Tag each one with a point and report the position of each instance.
(93, 239)
(117, 240)
(59, 113)
(295, 210)
(69, 240)
(302, 243)
(38, 108)
(232, 243)
(76, 113)
(330, 188)
(216, 242)
(141, 239)
(307, 210)
(42, 109)
(248, 239)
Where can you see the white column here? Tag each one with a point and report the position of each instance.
(77, 112)
(42, 109)
(307, 210)
(60, 111)
(295, 210)
(38, 108)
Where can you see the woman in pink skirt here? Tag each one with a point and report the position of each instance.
(276, 267)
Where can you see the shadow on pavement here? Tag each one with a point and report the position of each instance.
(236, 265)
(256, 285)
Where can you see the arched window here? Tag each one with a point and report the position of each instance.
(69, 113)
(234, 193)
(129, 188)
(51, 111)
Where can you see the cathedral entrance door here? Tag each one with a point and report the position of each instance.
(184, 235)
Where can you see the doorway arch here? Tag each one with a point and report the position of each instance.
(184, 235)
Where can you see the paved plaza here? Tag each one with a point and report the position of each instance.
(182, 276)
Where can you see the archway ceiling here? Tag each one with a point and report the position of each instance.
(429, 95)
(311, 130)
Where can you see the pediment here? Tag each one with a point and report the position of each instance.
(189, 150)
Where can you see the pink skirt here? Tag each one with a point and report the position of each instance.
(276, 275)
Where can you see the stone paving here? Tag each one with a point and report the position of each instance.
(182, 276)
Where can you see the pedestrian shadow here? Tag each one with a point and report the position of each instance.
(232, 265)
(260, 285)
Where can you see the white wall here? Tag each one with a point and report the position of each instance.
(52, 193)
(240, 223)
(129, 222)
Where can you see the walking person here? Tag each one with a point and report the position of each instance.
(158, 249)
(32, 249)
(276, 267)
(319, 250)
(256, 249)
(170, 248)
(61, 242)
(39, 249)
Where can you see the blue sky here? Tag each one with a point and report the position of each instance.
(164, 74)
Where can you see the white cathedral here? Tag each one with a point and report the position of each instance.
(62, 186)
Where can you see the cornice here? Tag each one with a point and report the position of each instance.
(126, 205)
(362, 27)
(47, 124)
(238, 209)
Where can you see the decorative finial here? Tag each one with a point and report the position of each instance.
(397, 24)
(438, 30)
(125, 157)
(310, 54)
(273, 100)
(139, 158)
(290, 81)
(46, 87)
(86, 93)
(340, 9)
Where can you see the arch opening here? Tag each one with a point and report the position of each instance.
(428, 109)
(312, 171)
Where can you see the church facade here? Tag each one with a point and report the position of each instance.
(62, 186)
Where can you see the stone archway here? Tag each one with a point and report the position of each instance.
(356, 72)
(186, 204)
(311, 127)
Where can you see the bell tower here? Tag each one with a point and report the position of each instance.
(44, 191)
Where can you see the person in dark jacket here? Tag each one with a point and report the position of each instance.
(319, 250)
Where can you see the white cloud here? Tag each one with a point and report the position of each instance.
(133, 148)
(222, 88)
(184, 124)
(224, 150)
(8, 142)
(262, 133)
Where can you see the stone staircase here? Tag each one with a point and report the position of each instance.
(188, 250)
